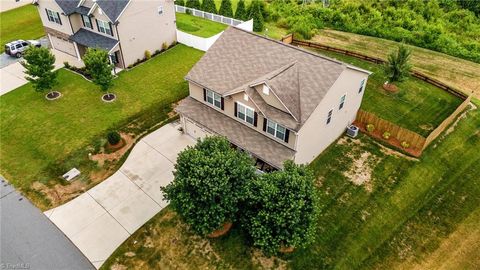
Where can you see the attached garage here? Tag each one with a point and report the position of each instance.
(195, 130)
(63, 45)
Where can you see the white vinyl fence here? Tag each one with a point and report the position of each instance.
(208, 16)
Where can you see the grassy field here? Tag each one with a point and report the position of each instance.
(403, 213)
(417, 106)
(198, 26)
(456, 72)
(37, 134)
(20, 23)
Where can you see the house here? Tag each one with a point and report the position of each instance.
(272, 100)
(125, 28)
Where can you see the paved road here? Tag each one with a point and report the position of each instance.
(102, 218)
(29, 240)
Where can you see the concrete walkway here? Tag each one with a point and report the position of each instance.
(99, 220)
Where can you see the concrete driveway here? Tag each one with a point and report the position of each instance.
(99, 220)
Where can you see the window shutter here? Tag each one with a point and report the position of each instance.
(255, 118)
(287, 135)
(98, 27)
(235, 109)
(204, 94)
(264, 124)
(48, 17)
(91, 24)
(111, 30)
(222, 100)
(83, 21)
(60, 20)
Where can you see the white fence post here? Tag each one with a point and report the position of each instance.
(209, 16)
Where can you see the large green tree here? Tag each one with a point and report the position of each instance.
(281, 208)
(180, 2)
(39, 65)
(209, 6)
(398, 67)
(241, 11)
(193, 4)
(256, 14)
(98, 66)
(209, 178)
(226, 8)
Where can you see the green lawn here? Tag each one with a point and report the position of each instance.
(38, 134)
(401, 214)
(198, 26)
(20, 23)
(417, 106)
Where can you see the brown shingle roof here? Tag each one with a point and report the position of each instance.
(244, 137)
(238, 58)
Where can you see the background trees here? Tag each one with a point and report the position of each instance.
(39, 64)
(226, 8)
(209, 6)
(256, 13)
(281, 209)
(98, 66)
(193, 4)
(397, 67)
(241, 12)
(208, 183)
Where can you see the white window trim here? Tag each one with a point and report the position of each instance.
(340, 106)
(213, 98)
(101, 25)
(53, 15)
(275, 130)
(85, 22)
(246, 107)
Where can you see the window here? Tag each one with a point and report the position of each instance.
(214, 99)
(53, 16)
(160, 10)
(276, 130)
(104, 27)
(342, 101)
(87, 22)
(245, 113)
(362, 84)
(329, 117)
(266, 90)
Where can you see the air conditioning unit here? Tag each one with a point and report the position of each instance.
(352, 131)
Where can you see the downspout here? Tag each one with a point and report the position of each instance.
(120, 45)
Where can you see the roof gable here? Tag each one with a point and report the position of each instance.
(68, 6)
(112, 8)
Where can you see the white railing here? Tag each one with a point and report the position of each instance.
(208, 15)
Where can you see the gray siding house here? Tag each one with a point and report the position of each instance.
(272, 100)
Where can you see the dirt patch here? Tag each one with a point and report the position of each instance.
(391, 152)
(361, 170)
(115, 156)
(389, 87)
(267, 262)
(59, 194)
(427, 127)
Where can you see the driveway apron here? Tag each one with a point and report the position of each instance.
(99, 220)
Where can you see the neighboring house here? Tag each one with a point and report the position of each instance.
(125, 28)
(273, 100)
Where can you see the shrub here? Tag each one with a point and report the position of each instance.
(66, 65)
(405, 144)
(370, 128)
(193, 4)
(208, 182)
(226, 8)
(148, 55)
(281, 209)
(209, 6)
(241, 12)
(180, 2)
(164, 46)
(386, 135)
(397, 67)
(113, 137)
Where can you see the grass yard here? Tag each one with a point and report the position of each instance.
(406, 213)
(198, 26)
(20, 23)
(453, 71)
(39, 138)
(417, 106)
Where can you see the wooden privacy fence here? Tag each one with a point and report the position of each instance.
(289, 39)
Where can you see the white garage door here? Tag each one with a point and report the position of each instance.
(63, 45)
(195, 131)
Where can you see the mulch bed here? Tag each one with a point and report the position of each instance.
(53, 95)
(222, 231)
(390, 87)
(109, 97)
(114, 147)
(377, 134)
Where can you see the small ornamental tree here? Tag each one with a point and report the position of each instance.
(226, 8)
(256, 15)
(99, 68)
(39, 64)
(241, 12)
(281, 209)
(398, 67)
(207, 185)
(209, 6)
(193, 4)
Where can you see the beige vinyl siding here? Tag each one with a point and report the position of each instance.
(196, 92)
(316, 135)
(102, 17)
(142, 28)
(52, 5)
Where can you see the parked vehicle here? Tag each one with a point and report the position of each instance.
(18, 47)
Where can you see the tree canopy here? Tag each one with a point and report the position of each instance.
(398, 67)
(39, 65)
(98, 66)
(208, 183)
(209, 6)
(241, 12)
(256, 8)
(193, 4)
(226, 8)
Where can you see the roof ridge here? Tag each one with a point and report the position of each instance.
(289, 46)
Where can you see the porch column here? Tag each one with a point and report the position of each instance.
(76, 50)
